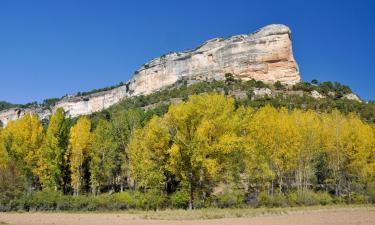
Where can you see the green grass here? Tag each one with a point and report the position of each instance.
(215, 213)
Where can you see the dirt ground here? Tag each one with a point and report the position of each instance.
(335, 217)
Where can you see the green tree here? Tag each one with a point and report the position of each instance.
(51, 154)
(124, 124)
(103, 156)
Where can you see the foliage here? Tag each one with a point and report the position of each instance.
(6, 105)
(102, 155)
(51, 154)
(79, 149)
(100, 90)
(208, 151)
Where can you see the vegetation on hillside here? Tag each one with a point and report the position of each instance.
(208, 150)
(6, 105)
(100, 89)
(297, 96)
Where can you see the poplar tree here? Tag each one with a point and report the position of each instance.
(51, 154)
(79, 150)
(102, 156)
(23, 138)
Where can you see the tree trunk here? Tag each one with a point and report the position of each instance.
(190, 190)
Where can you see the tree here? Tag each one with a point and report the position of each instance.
(315, 82)
(278, 85)
(148, 156)
(332, 131)
(12, 182)
(255, 160)
(79, 150)
(51, 154)
(103, 156)
(124, 124)
(202, 138)
(308, 124)
(277, 138)
(357, 143)
(4, 158)
(229, 78)
(22, 139)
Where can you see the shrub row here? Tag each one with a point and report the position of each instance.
(50, 201)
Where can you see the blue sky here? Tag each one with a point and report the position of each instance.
(51, 48)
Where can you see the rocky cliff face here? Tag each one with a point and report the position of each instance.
(264, 55)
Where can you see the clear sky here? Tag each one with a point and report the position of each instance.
(51, 48)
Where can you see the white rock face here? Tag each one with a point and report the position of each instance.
(84, 105)
(265, 55)
(261, 92)
(316, 95)
(13, 114)
(353, 97)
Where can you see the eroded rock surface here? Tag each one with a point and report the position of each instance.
(315, 94)
(265, 55)
(352, 97)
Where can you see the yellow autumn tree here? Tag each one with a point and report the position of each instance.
(276, 136)
(308, 124)
(12, 182)
(51, 154)
(203, 139)
(24, 138)
(79, 150)
(332, 135)
(357, 143)
(148, 155)
(4, 158)
(257, 170)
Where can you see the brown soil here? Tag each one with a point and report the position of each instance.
(332, 217)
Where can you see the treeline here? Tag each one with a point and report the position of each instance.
(206, 151)
(6, 105)
(283, 96)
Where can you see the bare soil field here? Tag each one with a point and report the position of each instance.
(338, 216)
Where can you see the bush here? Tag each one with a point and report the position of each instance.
(231, 198)
(278, 85)
(276, 200)
(51, 200)
(371, 192)
(359, 199)
(124, 200)
(308, 197)
(180, 199)
(324, 198)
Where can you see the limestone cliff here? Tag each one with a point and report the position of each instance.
(264, 55)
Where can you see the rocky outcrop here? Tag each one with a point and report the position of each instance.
(13, 114)
(315, 94)
(84, 105)
(261, 92)
(352, 97)
(264, 55)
